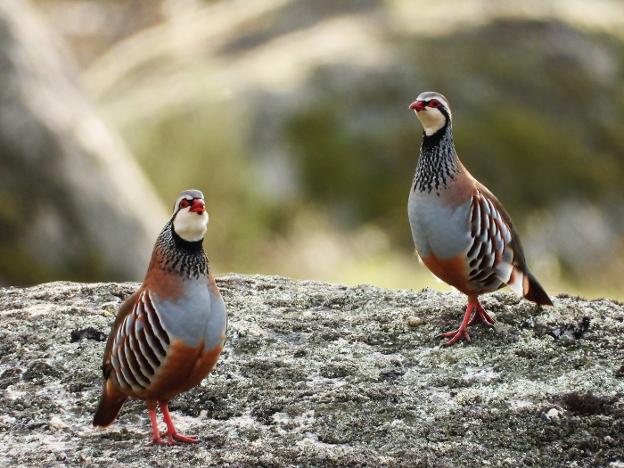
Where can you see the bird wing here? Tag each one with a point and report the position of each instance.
(140, 345)
(495, 256)
(122, 313)
(510, 265)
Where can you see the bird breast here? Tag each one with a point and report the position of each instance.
(438, 228)
(197, 314)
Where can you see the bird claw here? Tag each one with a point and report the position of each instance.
(474, 313)
(483, 317)
(159, 441)
(175, 437)
(456, 335)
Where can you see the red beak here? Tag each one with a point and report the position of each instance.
(417, 106)
(198, 206)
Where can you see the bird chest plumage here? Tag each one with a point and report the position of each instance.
(197, 314)
(438, 227)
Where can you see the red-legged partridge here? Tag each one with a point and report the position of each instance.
(460, 229)
(169, 334)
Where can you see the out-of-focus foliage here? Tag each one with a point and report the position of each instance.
(537, 118)
(67, 184)
(201, 148)
(292, 117)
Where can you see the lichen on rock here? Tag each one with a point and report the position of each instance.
(322, 374)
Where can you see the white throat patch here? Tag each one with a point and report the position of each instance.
(190, 226)
(431, 119)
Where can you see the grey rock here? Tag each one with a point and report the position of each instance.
(317, 374)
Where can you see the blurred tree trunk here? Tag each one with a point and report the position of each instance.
(73, 203)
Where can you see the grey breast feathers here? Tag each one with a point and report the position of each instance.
(439, 228)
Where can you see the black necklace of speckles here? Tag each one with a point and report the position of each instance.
(176, 255)
(438, 163)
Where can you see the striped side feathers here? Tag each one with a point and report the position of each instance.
(495, 256)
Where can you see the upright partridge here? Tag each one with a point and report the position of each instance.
(461, 231)
(169, 334)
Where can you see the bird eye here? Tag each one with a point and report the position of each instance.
(433, 103)
(184, 203)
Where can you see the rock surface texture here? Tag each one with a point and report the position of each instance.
(322, 374)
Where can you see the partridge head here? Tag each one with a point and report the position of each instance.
(168, 335)
(433, 111)
(461, 231)
(190, 218)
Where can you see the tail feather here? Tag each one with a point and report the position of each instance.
(110, 404)
(533, 291)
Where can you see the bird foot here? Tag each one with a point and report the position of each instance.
(482, 316)
(456, 335)
(159, 441)
(472, 309)
(175, 437)
(474, 313)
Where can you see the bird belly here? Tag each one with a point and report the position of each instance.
(183, 368)
(452, 271)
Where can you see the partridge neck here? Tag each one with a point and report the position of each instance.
(173, 254)
(438, 164)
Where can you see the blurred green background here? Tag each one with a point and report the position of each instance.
(292, 117)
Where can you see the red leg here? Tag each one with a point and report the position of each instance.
(156, 439)
(172, 434)
(462, 331)
(482, 316)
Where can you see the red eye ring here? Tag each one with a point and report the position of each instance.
(433, 103)
(184, 203)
